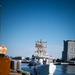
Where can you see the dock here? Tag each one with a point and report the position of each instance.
(9, 66)
(12, 72)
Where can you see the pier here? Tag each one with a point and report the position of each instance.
(9, 66)
(12, 72)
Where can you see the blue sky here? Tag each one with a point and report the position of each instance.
(25, 21)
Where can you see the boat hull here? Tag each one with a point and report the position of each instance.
(46, 69)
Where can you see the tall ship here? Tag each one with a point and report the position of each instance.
(41, 63)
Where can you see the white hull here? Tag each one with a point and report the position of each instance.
(52, 68)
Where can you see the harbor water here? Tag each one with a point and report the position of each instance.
(64, 70)
(60, 69)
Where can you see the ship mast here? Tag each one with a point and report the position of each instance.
(40, 45)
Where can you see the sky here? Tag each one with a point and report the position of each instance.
(25, 21)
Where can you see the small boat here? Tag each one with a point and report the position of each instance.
(41, 63)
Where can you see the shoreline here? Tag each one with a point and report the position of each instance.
(64, 64)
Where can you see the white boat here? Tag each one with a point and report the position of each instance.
(41, 63)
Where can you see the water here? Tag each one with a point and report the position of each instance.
(61, 69)
(64, 70)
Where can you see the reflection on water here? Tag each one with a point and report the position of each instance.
(70, 69)
(65, 70)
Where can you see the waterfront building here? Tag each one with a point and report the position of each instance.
(68, 50)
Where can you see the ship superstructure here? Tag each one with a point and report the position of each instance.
(41, 48)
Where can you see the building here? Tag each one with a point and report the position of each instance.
(68, 50)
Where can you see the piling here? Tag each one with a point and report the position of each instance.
(4, 66)
(15, 65)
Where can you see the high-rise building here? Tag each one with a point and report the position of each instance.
(68, 50)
